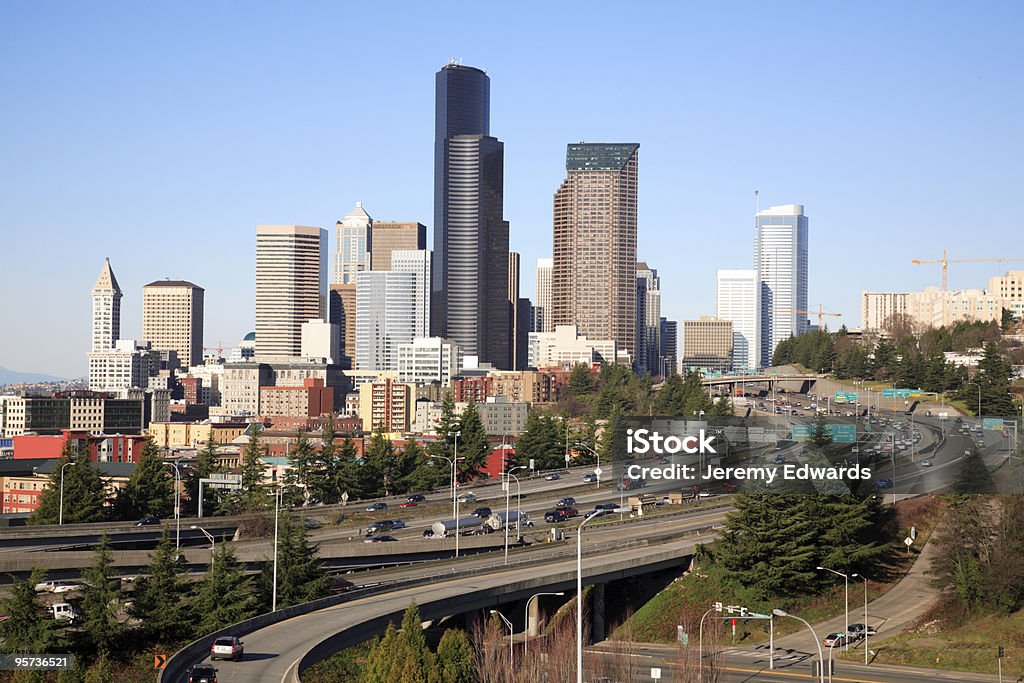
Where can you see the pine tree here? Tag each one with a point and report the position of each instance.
(149, 491)
(456, 661)
(541, 440)
(302, 461)
(27, 630)
(158, 600)
(224, 596)
(349, 477)
(973, 476)
(473, 446)
(99, 603)
(84, 490)
(383, 666)
(101, 671)
(253, 495)
(419, 661)
(821, 437)
(994, 374)
(322, 480)
(206, 465)
(299, 575)
(581, 383)
(381, 469)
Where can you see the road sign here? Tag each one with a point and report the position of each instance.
(344, 498)
(888, 393)
(842, 433)
(656, 673)
(159, 661)
(598, 471)
(992, 423)
(908, 541)
(802, 432)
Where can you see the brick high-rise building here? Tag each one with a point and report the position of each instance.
(172, 319)
(593, 284)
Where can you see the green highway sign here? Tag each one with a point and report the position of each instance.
(888, 393)
(992, 423)
(850, 396)
(900, 393)
(802, 432)
(842, 433)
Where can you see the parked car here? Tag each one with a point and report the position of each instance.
(379, 539)
(567, 501)
(147, 521)
(834, 639)
(376, 507)
(589, 478)
(227, 647)
(467, 497)
(202, 673)
(482, 512)
(554, 476)
(415, 498)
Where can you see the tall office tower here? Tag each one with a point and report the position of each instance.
(518, 335)
(352, 245)
(469, 295)
(342, 312)
(736, 301)
(542, 320)
(172, 319)
(106, 310)
(648, 320)
(780, 257)
(707, 344)
(291, 286)
(418, 263)
(387, 237)
(669, 347)
(593, 280)
(385, 317)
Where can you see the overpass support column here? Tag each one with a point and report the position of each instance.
(533, 619)
(597, 611)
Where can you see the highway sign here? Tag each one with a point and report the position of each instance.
(900, 393)
(598, 471)
(849, 396)
(802, 432)
(888, 393)
(842, 433)
(992, 423)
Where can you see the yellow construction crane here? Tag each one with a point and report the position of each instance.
(821, 313)
(946, 261)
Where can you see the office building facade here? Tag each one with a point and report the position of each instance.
(707, 344)
(106, 310)
(352, 245)
(736, 301)
(648, 320)
(387, 237)
(172, 319)
(342, 312)
(417, 262)
(780, 257)
(542, 320)
(385, 317)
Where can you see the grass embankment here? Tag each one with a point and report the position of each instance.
(971, 647)
(683, 602)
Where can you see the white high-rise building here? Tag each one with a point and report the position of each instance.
(543, 322)
(736, 301)
(128, 365)
(321, 339)
(428, 359)
(780, 257)
(385, 317)
(417, 262)
(291, 286)
(352, 245)
(106, 310)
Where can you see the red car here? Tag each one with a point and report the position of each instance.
(408, 504)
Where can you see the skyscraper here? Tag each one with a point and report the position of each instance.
(342, 312)
(385, 317)
(669, 347)
(106, 310)
(416, 262)
(648, 320)
(172, 319)
(780, 257)
(593, 283)
(387, 237)
(352, 245)
(542, 320)
(469, 296)
(520, 317)
(291, 286)
(736, 301)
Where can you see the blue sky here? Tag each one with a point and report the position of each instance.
(161, 134)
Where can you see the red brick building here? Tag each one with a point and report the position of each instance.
(312, 399)
(123, 448)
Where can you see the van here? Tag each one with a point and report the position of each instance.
(63, 611)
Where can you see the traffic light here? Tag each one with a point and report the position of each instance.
(1001, 655)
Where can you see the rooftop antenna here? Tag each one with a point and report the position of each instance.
(757, 201)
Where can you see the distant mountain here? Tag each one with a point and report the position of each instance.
(15, 377)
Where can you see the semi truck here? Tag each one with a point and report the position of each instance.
(466, 526)
(497, 520)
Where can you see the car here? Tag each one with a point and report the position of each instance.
(45, 586)
(415, 498)
(834, 639)
(398, 524)
(468, 497)
(64, 587)
(605, 508)
(926, 463)
(560, 515)
(967, 452)
(376, 507)
(857, 630)
(730, 488)
(589, 478)
(227, 647)
(379, 539)
(340, 585)
(482, 512)
(147, 521)
(554, 476)
(428, 533)
(883, 483)
(664, 461)
(409, 504)
(202, 673)
(567, 501)
(377, 527)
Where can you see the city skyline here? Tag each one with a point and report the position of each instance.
(197, 179)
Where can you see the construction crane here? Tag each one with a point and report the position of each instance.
(821, 313)
(946, 261)
(219, 348)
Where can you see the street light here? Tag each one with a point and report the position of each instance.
(177, 505)
(579, 595)
(277, 506)
(821, 657)
(60, 514)
(526, 640)
(700, 645)
(508, 492)
(511, 632)
(213, 541)
(865, 580)
(846, 582)
(597, 455)
(979, 397)
(453, 462)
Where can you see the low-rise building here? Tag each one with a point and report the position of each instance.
(566, 347)
(387, 404)
(428, 359)
(311, 399)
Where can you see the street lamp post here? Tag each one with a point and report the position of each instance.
(511, 633)
(508, 492)
(846, 604)
(979, 397)
(60, 514)
(865, 580)
(526, 639)
(277, 506)
(597, 470)
(177, 505)
(213, 541)
(579, 596)
(821, 657)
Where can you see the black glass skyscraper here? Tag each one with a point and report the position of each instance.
(469, 294)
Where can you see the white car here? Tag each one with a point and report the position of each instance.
(64, 587)
(468, 497)
(926, 463)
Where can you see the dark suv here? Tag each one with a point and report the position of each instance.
(482, 513)
(202, 673)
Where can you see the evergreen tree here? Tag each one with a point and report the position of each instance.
(158, 599)
(101, 671)
(473, 446)
(418, 472)
(973, 476)
(206, 465)
(349, 465)
(224, 596)
(84, 490)
(456, 661)
(581, 383)
(541, 440)
(419, 666)
(821, 437)
(99, 602)
(299, 575)
(149, 491)
(322, 480)
(253, 494)
(27, 630)
(994, 374)
(382, 666)
(302, 461)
